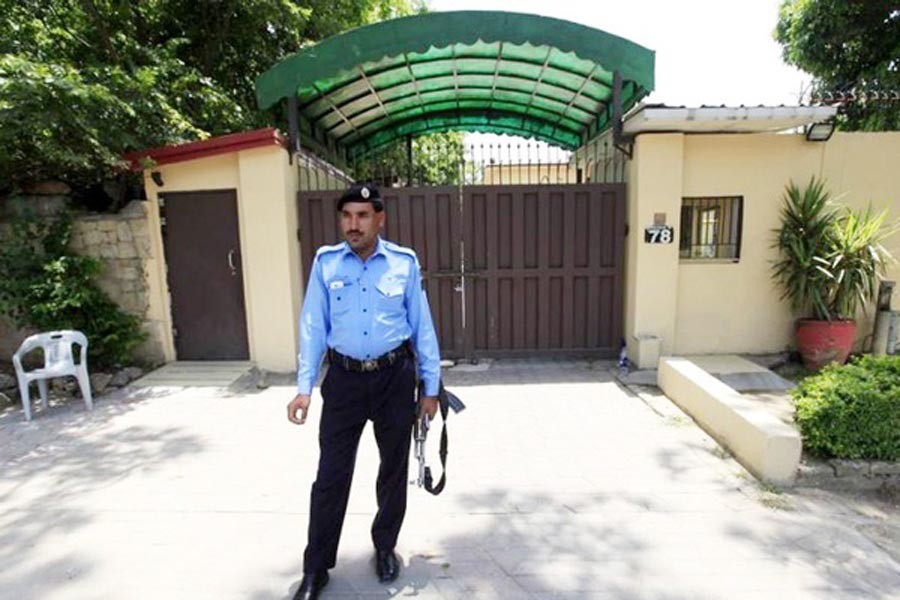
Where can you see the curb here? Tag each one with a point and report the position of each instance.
(848, 474)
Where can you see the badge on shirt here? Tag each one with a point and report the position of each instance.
(336, 285)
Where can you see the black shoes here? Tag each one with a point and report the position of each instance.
(387, 565)
(311, 586)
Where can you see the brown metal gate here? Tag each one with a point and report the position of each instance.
(511, 270)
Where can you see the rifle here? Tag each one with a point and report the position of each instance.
(448, 401)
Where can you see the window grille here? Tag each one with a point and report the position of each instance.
(711, 227)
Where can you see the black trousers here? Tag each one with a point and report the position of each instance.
(387, 398)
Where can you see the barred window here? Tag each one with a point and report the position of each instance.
(711, 227)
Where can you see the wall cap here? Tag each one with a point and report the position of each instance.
(222, 144)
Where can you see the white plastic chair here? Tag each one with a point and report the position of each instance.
(59, 361)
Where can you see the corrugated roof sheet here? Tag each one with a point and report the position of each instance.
(470, 70)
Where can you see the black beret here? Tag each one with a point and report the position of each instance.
(362, 193)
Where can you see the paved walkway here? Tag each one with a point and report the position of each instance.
(562, 485)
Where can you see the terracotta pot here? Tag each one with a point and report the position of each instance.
(823, 342)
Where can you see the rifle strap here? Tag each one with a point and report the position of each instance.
(429, 481)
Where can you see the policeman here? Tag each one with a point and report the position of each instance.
(365, 307)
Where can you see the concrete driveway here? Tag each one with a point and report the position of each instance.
(562, 484)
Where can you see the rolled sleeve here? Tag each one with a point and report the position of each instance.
(423, 336)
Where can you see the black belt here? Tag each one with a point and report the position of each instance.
(371, 365)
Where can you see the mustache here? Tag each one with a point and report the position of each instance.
(356, 231)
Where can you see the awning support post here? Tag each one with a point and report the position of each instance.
(294, 126)
(409, 160)
(617, 122)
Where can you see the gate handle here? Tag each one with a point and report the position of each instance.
(231, 260)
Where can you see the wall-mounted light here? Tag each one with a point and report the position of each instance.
(156, 176)
(820, 132)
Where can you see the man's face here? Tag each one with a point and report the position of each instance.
(360, 225)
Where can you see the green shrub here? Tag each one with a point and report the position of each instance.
(45, 286)
(852, 411)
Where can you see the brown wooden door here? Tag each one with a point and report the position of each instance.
(544, 269)
(203, 257)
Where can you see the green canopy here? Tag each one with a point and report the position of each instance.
(469, 70)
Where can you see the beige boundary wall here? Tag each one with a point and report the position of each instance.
(706, 307)
(673, 306)
(266, 186)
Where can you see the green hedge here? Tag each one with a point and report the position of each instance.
(852, 411)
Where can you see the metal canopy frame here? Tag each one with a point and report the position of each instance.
(538, 77)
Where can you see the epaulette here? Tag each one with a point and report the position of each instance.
(328, 249)
(400, 249)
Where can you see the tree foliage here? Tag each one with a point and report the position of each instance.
(83, 81)
(437, 159)
(847, 45)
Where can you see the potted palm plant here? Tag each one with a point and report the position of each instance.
(830, 261)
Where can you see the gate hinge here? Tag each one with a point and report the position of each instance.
(162, 215)
(174, 332)
(626, 229)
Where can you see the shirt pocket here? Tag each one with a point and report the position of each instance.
(339, 296)
(390, 295)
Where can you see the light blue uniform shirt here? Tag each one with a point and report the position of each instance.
(365, 309)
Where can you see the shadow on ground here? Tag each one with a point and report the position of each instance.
(551, 554)
(536, 552)
(48, 464)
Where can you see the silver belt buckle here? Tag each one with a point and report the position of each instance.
(370, 365)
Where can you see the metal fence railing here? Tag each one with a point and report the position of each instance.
(494, 163)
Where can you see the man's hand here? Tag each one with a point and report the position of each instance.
(301, 403)
(428, 405)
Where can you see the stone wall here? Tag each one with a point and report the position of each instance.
(122, 242)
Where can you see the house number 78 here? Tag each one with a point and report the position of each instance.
(659, 235)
